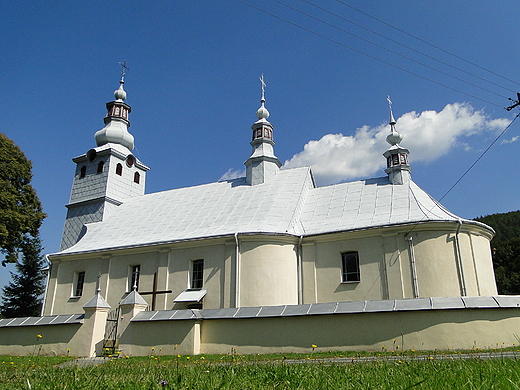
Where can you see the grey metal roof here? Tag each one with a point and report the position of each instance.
(208, 210)
(288, 203)
(391, 305)
(369, 203)
(46, 320)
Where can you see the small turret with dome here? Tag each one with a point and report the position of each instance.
(397, 169)
(262, 163)
(116, 120)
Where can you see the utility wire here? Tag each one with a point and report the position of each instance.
(478, 159)
(365, 54)
(426, 42)
(438, 202)
(386, 49)
(407, 47)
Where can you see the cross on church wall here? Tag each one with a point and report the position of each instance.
(154, 291)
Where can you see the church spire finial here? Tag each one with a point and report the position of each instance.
(262, 113)
(394, 138)
(120, 93)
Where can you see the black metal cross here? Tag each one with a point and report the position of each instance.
(154, 291)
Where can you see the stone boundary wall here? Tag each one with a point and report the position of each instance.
(286, 329)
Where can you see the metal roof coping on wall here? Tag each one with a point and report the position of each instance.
(332, 308)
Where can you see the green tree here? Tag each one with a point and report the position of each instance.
(21, 212)
(22, 297)
(506, 250)
(21, 216)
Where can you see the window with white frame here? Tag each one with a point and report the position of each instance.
(197, 273)
(79, 281)
(133, 277)
(350, 267)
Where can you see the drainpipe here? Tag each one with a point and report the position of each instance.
(237, 271)
(49, 265)
(459, 254)
(414, 270)
(300, 271)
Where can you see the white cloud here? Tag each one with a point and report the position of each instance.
(232, 174)
(428, 135)
(510, 141)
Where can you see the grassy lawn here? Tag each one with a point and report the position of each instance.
(260, 372)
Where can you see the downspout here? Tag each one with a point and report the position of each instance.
(459, 254)
(49, 265)
(300, 272)
(237, 271)
(414, 270)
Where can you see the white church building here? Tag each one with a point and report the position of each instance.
(264, 263)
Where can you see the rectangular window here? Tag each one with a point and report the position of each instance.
(78, 286)
(133, 280)
(197, 273)
(350, 267)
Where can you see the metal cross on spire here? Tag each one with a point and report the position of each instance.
(263, 86)
(124, 68)
(389, 102)
(392, 120)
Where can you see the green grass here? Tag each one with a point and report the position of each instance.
(259, 372)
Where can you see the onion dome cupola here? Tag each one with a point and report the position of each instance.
(398, 170)
(262, 164)
(116, 121)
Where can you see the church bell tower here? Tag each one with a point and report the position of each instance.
(262, 164)
(107, 174)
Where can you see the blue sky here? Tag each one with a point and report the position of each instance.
(194, 90)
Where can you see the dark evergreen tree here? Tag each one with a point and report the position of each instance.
(22, 297)
(506, 250)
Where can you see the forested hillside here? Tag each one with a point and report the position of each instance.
(506, 250)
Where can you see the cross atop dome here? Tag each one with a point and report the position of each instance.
(262, 113)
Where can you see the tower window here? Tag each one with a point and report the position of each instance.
(137, 177)
(79, 282)
(197, 273)
(100, 167)
(135, 270)
(92, 155)
(119, 169)
(350, 267)
(83, 171)
(130, 161)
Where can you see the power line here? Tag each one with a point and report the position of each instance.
(406, 46)
(386, 49)
(478, 159)
(438, 202)
(365, 54)
(426, 42)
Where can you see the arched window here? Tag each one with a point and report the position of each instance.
(119, 169)
(100, 167)
(83, 171)
(137, 177)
